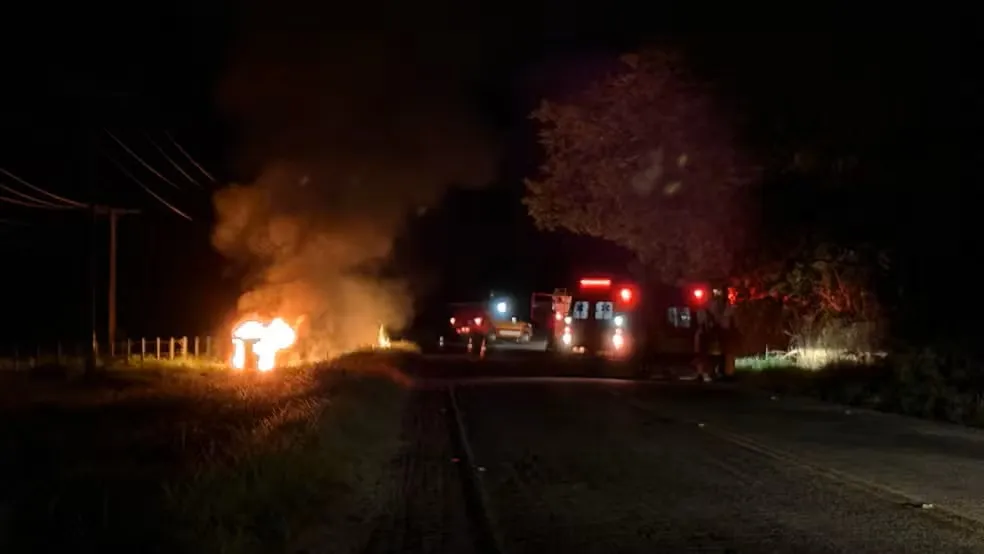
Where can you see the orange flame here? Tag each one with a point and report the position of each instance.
(270, 339)
(382, 338)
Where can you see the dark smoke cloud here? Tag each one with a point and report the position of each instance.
(347, 133)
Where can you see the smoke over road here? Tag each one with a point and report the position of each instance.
(346, 134)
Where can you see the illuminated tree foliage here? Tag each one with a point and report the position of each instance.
(645, 159)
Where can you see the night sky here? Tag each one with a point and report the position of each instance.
(239, 88)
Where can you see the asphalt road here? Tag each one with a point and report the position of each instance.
(613, 467)
(583, 465)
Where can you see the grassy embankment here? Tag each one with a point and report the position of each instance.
(924, 383)
(198, 461)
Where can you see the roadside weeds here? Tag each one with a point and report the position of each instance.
(287, 462)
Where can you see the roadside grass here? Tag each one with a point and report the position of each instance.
(198, 461)
(75, 365)
(936, 384)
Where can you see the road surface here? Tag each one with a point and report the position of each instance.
(585, 465)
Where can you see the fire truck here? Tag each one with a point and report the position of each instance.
(616, 318)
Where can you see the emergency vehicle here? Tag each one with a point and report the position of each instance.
(610, 317)
(597, 317)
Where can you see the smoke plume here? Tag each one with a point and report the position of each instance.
(347, 133)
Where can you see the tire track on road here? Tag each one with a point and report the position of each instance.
(426, 506)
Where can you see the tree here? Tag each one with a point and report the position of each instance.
(646, 159)
(828, 293)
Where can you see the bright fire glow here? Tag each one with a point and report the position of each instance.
(383, 340)
(270, 339)
(596, 282)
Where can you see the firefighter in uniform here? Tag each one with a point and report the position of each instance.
(715, 340)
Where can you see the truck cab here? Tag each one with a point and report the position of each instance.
(469, 320)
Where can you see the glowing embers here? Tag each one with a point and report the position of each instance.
(266, 341)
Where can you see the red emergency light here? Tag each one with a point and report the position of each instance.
(625, 294)
(699, 294)
(604, 283)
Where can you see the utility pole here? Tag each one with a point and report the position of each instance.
(92, 101)
(114, 215)
(92, 352)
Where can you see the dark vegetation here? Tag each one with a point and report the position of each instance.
(925, 383)
(186, 461)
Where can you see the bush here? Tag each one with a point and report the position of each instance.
(929, 383)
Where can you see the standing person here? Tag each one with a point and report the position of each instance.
(702, 359)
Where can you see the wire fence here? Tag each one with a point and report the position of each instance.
(135, 353)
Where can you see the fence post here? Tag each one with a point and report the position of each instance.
(129, 350)
(184, 347)
(158, 349)
(196, 347)
(170, 349)
(143, 350)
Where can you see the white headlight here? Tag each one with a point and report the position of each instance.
(619, 320)
(568, 320)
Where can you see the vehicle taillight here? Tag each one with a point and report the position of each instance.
(625, 294)
(596, 282)
(478, 321)
(452, 321)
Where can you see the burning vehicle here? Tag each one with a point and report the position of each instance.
(256, 344)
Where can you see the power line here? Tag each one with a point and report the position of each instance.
(149, 191)
(168, 158)
(139, 159)
(42, 191)
(39, 202)
(24, 204)
(190, 159)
